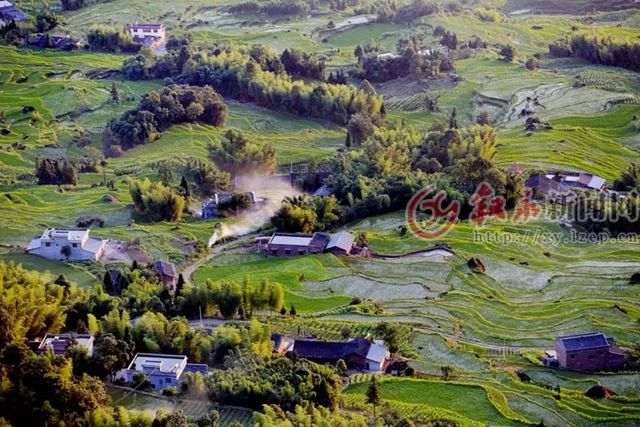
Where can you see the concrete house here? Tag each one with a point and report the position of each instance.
(588, 352)
(286, 244)
(162, 370)
(59, 343)
(77, 244)
(9, 12)
(148, 34)
(341, 243)
(168, 274)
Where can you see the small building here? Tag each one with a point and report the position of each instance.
(588, 352)
(67, 244)
(341, 243)
(287, 244)
(360, 353)
(554, 185)
(59, 343)
(162, 370)
(147, 34)
(9, 12)
(214, 206)
(168, 274)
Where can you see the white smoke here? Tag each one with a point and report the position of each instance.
(270, 192)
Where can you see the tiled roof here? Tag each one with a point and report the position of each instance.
(583, 342)
(166, 268)
(343, 240)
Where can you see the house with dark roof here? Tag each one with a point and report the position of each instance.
(554, 185)
(291, 244)
(168, 274)
(341, 243)
(360, 353)
(589, 352)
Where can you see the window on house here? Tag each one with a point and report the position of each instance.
(75, 245)
(48, 245)
(573, 356)
(287, 252)
(167, 380)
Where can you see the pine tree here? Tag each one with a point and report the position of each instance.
(115, 94)
(185, 187)
(453, 120)
(374, 394)
(283, 311)
(293, 312)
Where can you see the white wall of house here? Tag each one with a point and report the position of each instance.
(82, 247)
(142, 32)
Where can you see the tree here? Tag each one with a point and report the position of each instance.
(391, 334)
(508, 53)
(283, 311)
(359, 128)
(453, 119)
(115, 93)
(446, 372)
(484, 118)
(532, 63)
(186, 192)
(292, 311)
(374, 394)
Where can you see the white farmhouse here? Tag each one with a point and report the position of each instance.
(67, 245)
(149, 34)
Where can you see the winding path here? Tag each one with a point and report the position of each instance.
(218, 249)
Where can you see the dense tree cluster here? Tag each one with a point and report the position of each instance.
(300, 63)
(599, 50)
(389, 11)
(56, 172)
(305, 215)
(79, 4)
(46, 21)
(158, 111)
(383, 173)
(237, 155)
(410, 60)
(251, 382)
(606, 51)
(65, 390)
(201, 177)
(111, 39)
(273, 7)
(232, 299)
(156, 201)
(274, 416)
(234, 73)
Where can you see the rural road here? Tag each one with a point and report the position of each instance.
(218, 249)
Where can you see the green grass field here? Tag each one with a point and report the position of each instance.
(485, 326)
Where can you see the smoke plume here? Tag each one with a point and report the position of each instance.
(269, 191)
